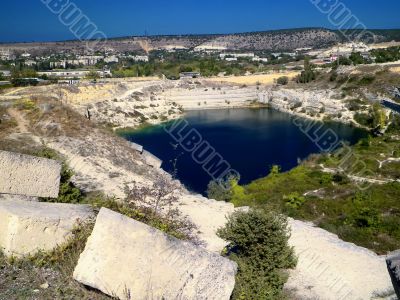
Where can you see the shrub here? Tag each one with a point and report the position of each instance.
(333, 77)
(284, 80)
(367, 79)
(364, 119)
(275, 170)
(294, 200)
(68, 192)
(220, 191)
(25, 104)
(326, 178)
(258, 242)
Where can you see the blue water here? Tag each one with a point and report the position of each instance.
(250, 140)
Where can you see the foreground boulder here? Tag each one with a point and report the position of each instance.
(330, 269)
(29, 175)
(131, 260)
(393, 265)
(27, 226)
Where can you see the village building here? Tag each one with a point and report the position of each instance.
(73, 74)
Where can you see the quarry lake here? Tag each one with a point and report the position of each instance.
(250, 140)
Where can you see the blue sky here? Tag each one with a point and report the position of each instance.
(30, 20)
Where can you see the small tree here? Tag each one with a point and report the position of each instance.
(308, 74)
(258, 242)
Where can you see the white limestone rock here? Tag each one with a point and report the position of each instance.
(208, 215)
(27, 226)
(29, 175)
(329, 268)
(131, 260)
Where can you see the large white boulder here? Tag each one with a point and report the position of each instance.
(29, 175)
(131, 260)
(330, 269)
(27, 226)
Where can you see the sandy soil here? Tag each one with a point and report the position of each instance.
(384, 45)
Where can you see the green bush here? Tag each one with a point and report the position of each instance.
(308, 74)
(68, 192)
(294, 200)
(326, 179)
(258, 242)
(284, 80)
(220, 191)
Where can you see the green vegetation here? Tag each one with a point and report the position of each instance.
(220, 191)
(308, 74)
(93, 75)
(386, 55)
(25, 104)
(22, 278)
(258, 242)
(365, 214)
(284, 80)
(69, 193)
(375, 118)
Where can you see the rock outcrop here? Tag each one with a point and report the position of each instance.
(131, 260)
(27, 226)
(28, 175)
(393, 265)
(330, 269)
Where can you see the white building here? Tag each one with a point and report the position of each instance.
(71, 74)
(210, 48)
(5, 73)
(6, 55)
(30, 63)
(111, 59)
(260, 59)
(58, 64)
(138, 58)
(237, 55)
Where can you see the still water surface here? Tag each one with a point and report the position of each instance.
(251, 140)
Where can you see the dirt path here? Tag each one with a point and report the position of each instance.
(358, 178)
(23, 124)
(14, 91)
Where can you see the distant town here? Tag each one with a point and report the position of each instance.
(170, 58)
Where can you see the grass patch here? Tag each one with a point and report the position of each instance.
(369, 218)
(23, 278)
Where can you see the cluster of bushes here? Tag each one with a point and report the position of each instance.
(386, 55)
(375, 118)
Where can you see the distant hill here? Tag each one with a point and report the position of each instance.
(276, 40)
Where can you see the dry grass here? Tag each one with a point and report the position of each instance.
(22, 278)
(395, 69)
(266, 79)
